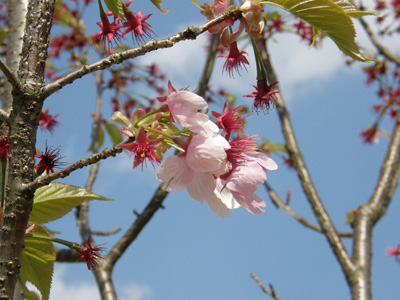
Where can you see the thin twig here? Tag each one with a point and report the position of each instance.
(309, 189)
(287, 209)
(12, 79)
(67, 255)
(106, 233)
(209, 66)
(270, 293)
(375, 41)
(190, 33)
(92, 159)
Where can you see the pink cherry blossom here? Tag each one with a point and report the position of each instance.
(234, 60)
(138, 25)
(263, 96)
(108, 32)
(90, 255)
(143, 148)
(231, 120)
(243, 180)
(184, 107)
(195, 168)
(391, 251)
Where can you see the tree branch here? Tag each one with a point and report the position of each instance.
(16, 22)
(287, 209)
(23, 123)
(190, 33)
(92, 159)
(309, 189)
(375, 41)
(12, 79)
(209, 66)
(369, 214)
(270, 293)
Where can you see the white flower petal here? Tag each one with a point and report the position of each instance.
(175, 171)
(206, 153)
(263, 160)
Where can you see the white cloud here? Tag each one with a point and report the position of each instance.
(62, 290)
(299, 66)
(182, 63)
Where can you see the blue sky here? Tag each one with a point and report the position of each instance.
(187, 252)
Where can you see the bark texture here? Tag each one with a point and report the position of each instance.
(23, 123)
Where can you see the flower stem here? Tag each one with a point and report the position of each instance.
(261, 73)
(70, 245)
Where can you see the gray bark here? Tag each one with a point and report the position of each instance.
(23, 123)
(16, 20)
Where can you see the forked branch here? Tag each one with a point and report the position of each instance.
(299, 165)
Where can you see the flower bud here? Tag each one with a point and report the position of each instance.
(119, 118)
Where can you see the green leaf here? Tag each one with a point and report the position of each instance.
(100, 140)
(331, 19)
(3, 34)
(351, 10)
(115, 6)
(114, 133)
(37, 262)
(29, 295)
(157, 3)
(57, 199)
(197, 4)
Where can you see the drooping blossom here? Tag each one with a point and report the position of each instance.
(90, 255)
(234, 60)
(263, 96)
(143, 149)
(390, 251)
(241, 184)
(49, 160)
(4, 147)
(136, 24)
(194, 169)
(184, 107)
(47, 121)
(108, 31)
(371, 135)
(231, 120)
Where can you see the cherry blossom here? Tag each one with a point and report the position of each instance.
(108, 32)
(143, 149)
(136, 24)
(243, 180)
(184, 107)
(231, 120)
(195, 168)
(4, 147)
(90, 255)
(47, 121)
(49, 160)
(263, 96)
(235, 59)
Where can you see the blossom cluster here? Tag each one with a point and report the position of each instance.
(216, 164)
(253, 22)
(134, 23)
